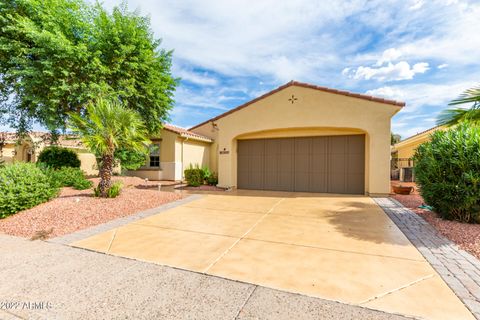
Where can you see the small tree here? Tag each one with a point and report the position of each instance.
(394, 138)
(447, 169)
(107, 126)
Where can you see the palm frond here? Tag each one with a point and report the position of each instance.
(450, 117)
(109, 125)
(469, 96)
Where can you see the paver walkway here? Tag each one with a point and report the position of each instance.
(79, 284)
(459, 269)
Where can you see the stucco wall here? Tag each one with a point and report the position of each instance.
(195, 153)
(314, 113)
(88, 163)
(407, 149)
(8, 152)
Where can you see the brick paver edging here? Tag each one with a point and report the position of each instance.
(459, 269)
(85, 233)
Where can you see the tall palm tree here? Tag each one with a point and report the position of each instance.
(453, 116)
(106, 126)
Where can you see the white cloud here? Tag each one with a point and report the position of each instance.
(390, 72)
(388, 55)
(206, 99)
(421, 95)
(313, 41)
(195, 77)
(417, 4)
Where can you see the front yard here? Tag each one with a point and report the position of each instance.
(465, 235)
(74, 210)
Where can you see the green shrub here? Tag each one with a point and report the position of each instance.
(206, 173)
(212, 179)
(447, 169)
(70, 177)
(112, 192)
(194, 176)
(23, 186)
(56, 158)
(130, 160)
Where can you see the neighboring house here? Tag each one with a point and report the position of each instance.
(301, 137)
(29, 147)
(403, 152)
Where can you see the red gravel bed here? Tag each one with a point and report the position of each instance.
(74, 210)
(465, 235)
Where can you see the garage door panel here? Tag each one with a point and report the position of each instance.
(356, 144)
(337, 163)
(271, 164)
(286, 164)
(355, 183)
(302, 164)
(337, 144)
(355, 163)
(319, 146)
(334, 164)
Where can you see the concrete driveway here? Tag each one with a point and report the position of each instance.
(334, 247)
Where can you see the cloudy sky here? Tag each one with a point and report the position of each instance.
(423, 52)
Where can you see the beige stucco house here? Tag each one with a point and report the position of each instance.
(403, 152)
(298, 137)
(301, 137)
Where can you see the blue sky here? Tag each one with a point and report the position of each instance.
(228, 52)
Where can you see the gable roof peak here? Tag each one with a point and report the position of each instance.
(305, 85)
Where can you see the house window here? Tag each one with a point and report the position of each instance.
(154, 155)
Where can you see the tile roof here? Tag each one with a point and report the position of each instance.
(70, 141)
(185, 133)
(420, 133)
(310, 86)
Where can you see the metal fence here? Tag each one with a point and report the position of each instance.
(397, 163)
(401, 169)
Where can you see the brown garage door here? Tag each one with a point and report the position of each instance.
(333, 164)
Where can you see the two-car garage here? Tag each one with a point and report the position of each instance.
(327, 164)
(304, 138)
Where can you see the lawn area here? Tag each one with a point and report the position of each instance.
(74, 210)
(465, 235)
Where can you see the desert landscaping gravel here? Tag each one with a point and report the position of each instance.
(74, 210)
(466, 236)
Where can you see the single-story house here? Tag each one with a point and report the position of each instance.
(403, 152)
(302, 137)
(28, 147)
(298, 137)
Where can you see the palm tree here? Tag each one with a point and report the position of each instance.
(450, 117)
(106, 126)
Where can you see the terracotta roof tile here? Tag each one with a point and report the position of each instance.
(185, 133)
(63, 140)
(310, 86)
(420, 133)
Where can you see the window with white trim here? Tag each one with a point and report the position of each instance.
(154, 155)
